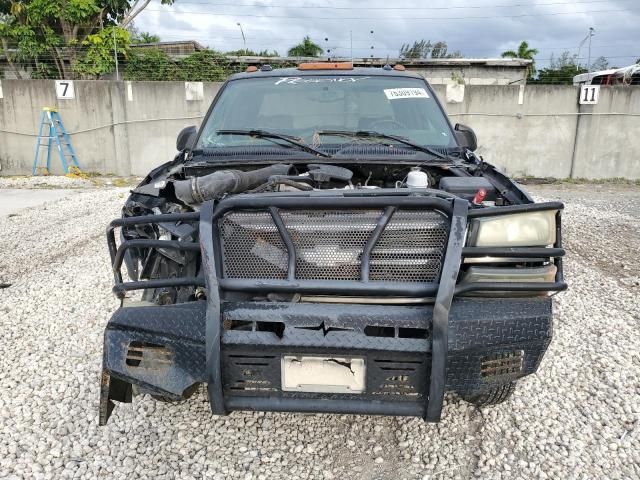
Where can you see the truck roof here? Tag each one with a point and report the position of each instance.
(357, 71)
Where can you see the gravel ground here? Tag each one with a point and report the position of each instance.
(51, 181)
(578, 418)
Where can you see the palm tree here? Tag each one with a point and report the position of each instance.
(526, 53)
(305, 49)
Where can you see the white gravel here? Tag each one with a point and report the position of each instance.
(579, 417)
(45, 181)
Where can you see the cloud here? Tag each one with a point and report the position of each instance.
(483, 29)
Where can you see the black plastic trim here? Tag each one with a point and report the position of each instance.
(505, 210)
(120, 288)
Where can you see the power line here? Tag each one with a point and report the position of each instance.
(331, 7)
(224, 58)
(346, 44)
(197, 117)
(378, 19)
(367, 43)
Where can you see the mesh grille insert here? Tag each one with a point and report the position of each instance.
(329, 245)
(252, 246)
(411, 248)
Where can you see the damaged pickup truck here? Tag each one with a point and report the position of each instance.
(327, 241)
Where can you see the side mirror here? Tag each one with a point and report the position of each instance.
(186, 137)
(466, 136)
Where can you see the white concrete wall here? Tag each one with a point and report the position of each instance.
(128, 128)
(122, 128)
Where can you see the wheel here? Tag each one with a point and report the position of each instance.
(493, 396)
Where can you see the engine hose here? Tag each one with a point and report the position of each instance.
(200, 189)
(281, 181)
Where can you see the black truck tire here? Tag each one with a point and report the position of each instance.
(493, 396)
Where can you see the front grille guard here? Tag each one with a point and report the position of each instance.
(212, 278)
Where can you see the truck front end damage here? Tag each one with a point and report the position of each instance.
(327, 241)
(358, 301)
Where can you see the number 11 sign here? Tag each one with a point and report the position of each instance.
(589, 94)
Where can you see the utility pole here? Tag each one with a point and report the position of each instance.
(244, 40)
(591, 33)
(580, 45)
(115, 53)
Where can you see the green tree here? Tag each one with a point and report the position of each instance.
(250, 53)
(243, 52)
(58, 35)
(98, 58)
(419, 49)
(145, 37)
(305, 49)
(558, 76)
(525, 53)
(600, 63)
(439, 50)
(426, 49)
(566, 59)
(267, 53)
(560, 71)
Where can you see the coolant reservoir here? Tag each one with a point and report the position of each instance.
(417, 178)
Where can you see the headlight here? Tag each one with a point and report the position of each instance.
(532, 229)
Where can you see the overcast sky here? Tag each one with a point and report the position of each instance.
(478, 28)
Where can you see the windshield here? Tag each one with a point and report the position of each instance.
(303, 106)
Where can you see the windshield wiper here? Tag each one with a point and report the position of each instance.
(275, 136)
(372, 134)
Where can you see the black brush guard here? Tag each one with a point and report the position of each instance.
(456, 209)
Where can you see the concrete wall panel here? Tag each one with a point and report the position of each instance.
(128, 128)
(608, 145)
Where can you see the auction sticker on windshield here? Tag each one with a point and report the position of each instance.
(394, 93)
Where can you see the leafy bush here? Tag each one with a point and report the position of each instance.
(203, 66)
(151, 64)
(156, 65)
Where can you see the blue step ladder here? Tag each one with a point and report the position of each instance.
(51, 118)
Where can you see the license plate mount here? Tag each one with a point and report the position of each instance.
(302, 373)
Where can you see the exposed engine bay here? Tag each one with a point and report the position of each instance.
(184, 188)
(192, 187)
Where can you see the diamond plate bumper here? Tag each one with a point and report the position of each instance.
(398, 374)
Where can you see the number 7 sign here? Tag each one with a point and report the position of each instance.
(589, 94)
(65, 90)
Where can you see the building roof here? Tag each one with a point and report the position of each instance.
(162, 45)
